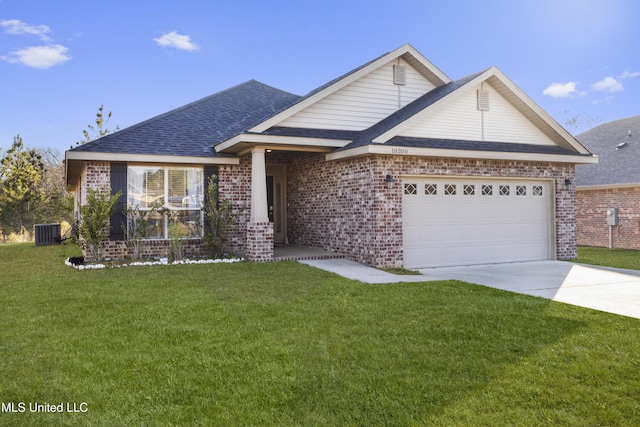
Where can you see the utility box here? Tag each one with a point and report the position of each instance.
(47, 234)
(612, 216)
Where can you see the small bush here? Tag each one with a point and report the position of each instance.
(219, 218)
(94, 221)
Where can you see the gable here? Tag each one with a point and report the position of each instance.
(364, 102)
(461, 119)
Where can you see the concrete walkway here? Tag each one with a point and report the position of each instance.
(606, 289)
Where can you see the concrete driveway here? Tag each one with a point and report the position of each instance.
(612, 290)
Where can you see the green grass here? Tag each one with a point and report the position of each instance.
(620, 258)
(284, 344)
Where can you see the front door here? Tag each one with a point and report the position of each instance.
(276, 202)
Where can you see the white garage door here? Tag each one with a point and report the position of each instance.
(462, 222)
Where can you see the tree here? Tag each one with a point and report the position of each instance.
(579, 123)
(99, 131)
(58, 203)
(21, 174)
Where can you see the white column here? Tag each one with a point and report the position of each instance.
(259, 211)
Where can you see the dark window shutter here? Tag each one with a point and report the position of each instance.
(119, 183)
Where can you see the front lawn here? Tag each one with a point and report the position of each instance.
(285, 344)
(620, 258)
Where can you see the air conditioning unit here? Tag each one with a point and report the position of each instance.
(47, 234)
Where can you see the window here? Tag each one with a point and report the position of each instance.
(410, 189)
(450, 189)
(504, 190)
(431, 189)
(537, 190)
(521, 190)
(178, 190)
(469, 189)
(487, 190)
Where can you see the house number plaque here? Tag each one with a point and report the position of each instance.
(399, 151)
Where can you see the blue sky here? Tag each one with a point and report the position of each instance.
(61, 60)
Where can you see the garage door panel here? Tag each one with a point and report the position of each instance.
(476, 221)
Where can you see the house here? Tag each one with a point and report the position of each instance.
(391, 164)
(608, 193)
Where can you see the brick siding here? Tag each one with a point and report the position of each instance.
(591, 214)
(344, 206)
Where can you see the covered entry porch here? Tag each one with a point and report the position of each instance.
(280, 217)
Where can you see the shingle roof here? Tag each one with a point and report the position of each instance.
(615, 165)
(505, 147)
(366, 136)
(192, 130)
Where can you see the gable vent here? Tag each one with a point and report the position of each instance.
(399, 75)
(483, 100)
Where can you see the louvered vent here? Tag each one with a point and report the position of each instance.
(399, 75)
(483, 100)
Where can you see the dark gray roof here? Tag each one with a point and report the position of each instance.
(312, 133)
(505, 147)
(196, 128)
(617, 164)
(193, 130)
(367, 136)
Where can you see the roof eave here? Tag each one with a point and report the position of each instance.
(74, 161)
(607, 186)
(241, 142)
(463, 154)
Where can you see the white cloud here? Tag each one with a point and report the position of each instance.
(15, 26)
(629, 74)
(39, 56)
(178, 41)
(608, 84)
(561, 90)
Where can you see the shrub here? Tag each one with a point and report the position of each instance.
(139, 227)
(219, 217)
(94, 221)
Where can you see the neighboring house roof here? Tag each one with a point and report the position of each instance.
(617, 145)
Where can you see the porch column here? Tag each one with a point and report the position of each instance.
(259, 229)
(259, 211)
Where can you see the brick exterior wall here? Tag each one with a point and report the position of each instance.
(98, 175)
(192, 248)
(234, 184)
(344, 206)
(591, 213)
